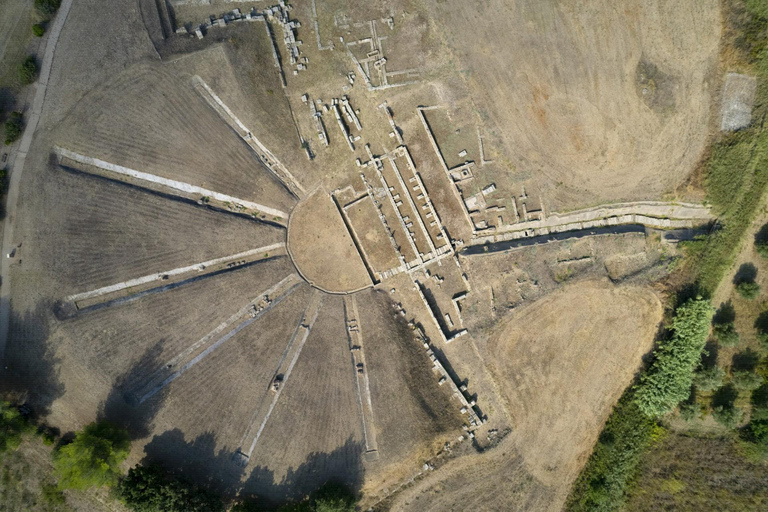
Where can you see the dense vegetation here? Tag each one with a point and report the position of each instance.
(150, 488)
(668, 380)
(93, 458)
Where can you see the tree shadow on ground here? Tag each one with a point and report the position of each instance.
(135, 418)
(747, 273)
(725, 314)
(709, 355)
(688, 292)
(199, 462)
(30, 367)
(343, 467)
(745, 360)
(761, 237)
(725, 396)
(761, 323)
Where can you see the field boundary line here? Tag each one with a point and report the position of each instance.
(288, 180)
(158, 180)
(312, 311)
(159, 276)
(290, 282)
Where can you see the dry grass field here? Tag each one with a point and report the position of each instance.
(298, 362)
(561, 362)
(595, 98)
(322, 248)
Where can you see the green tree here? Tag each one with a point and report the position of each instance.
(727, 415)
(38, 29)
(745, 380)
(151, 489)
(93, 458)
(726, 334)
(28, 70)
(333, 498)
(12, 427)
(709, 379)
(748, 289)
(14, 126)
(668, 380)
(47, 7)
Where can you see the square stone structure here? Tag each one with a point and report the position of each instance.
(738, 98)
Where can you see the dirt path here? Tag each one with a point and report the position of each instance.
(18, 168)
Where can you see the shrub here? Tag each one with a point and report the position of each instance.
(14, 127)
(709, 379)
(668, 380)
(728, 416)
(726, 334)
(38, 29)
(28, 70)
(757, 431)
(47, 7)
(93, 458)
(151, 489)
(690, 411)
(12, 427)
(759, 402)
(761, 241)
(748, 290)
(745, 380)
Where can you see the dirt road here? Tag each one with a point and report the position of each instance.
(18, 167)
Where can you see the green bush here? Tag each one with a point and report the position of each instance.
(152, 489)
(28, 70)
(14, 127)
(728, 416)
(748, 290)
(12, 427)
(709, 379)
(93, 458)
(47, 7)
(38, 29)
(745, 380)
(667, 382)
(690, 411)
(726, 334)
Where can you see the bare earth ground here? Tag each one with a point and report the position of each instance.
(567, 105)
(322, 248)
(578, 129)
(562, 362)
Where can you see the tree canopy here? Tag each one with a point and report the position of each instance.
(151, 489)
(93, 458)
(668, 381)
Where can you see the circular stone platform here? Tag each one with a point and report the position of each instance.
(321, 247)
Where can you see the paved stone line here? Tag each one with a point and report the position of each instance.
(355, 340)
(283, 357)
(160, 276)
(172, 184)
(269, 160)
(412, 204)
(18, 167)
(647, 213)
(254, 310)
(302, 330)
